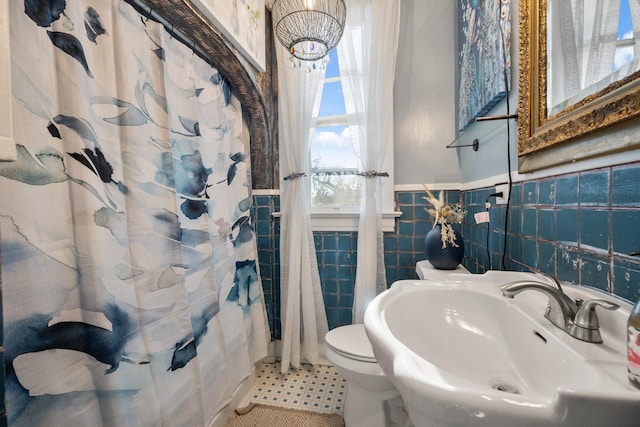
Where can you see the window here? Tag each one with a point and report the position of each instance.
(334, 162)
(335, 186)
(625, 42)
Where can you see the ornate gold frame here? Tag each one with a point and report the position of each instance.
(577, 131)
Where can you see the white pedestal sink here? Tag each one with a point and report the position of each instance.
(461, 354)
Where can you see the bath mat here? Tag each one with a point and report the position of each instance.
(257, 415)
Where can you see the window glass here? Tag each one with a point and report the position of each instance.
(334, 163)
(624, 50)
(625, 27)
(332, 103)
(332, 66)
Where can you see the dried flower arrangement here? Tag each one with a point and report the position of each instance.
(445, 215)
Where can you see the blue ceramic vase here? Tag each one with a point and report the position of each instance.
(448, 258)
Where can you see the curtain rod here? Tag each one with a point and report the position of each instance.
(147, 11)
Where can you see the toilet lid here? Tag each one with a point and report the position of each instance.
(351, 341)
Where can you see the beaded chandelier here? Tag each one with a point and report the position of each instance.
(309, 29)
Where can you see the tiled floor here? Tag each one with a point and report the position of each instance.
(312, 388)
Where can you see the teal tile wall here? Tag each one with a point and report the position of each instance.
(268, 241)
(582, 227)
(337, 255)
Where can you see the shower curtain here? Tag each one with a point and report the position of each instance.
(130, 289)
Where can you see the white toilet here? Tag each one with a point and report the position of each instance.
(349, 350)
(372, 400)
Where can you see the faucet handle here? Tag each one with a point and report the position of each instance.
(586, 316)
(585, 324)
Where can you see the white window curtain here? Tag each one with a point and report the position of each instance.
(602, 30)
(587, 44)
(367, 58)
(304, 320)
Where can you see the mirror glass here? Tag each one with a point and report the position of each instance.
(590, 44)
(579, 80)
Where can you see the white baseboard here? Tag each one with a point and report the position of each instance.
(452, 186)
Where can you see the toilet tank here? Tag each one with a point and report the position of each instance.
(427, 272)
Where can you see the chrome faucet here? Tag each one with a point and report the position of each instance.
(576, 318)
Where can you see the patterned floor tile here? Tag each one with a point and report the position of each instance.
(313, 388)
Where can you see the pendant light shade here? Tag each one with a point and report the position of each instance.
(309, 29)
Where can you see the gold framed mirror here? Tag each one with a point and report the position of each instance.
(596, 119)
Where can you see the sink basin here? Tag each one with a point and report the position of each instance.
(461, 354)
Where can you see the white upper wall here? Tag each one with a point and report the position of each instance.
(424, 103)
(491, 160)
(425, 110)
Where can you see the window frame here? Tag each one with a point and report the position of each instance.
(346, 218)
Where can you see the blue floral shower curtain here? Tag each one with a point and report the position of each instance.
(130, 289)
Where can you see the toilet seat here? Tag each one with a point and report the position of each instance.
(351, 342)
